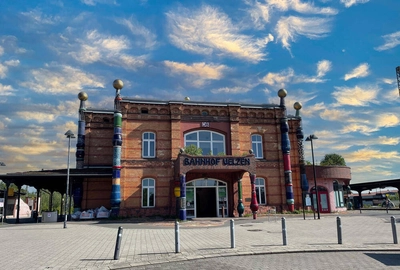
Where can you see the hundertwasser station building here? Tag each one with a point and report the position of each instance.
(135, 159)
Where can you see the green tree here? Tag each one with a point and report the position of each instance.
(193, 150)
(332, 159)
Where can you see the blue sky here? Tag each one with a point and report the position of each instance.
(336, 57)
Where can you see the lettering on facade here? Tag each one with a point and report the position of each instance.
(215, 161)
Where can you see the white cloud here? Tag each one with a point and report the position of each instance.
(1, 50)
(288, 28)
(284, 77)
(198, 73)
(355, 96)
(106, 49)
(36, 16)
(359, 72)
(391, 40)
(6, 90)
(279, 79)
(209, 31)
(3, 71)
(301, 7)
(323, 67)
(95, 2)
(40, 117)
(61, 80)
(349, 3)
(368, 154)
(150, 39)
(260, 12)
(231, 90)
(12, 63)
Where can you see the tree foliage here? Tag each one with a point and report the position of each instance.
(193, 150)
(333, 159)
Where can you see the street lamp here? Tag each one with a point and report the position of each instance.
(69, 135)
(310, 139)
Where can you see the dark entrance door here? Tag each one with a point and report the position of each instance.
(206, 202)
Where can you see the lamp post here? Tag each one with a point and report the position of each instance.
(70, 136)
(310, 139)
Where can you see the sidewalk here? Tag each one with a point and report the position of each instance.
(91, 245)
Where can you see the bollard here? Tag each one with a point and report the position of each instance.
(118, 244)
(177, 245)
(284, 231)
(339, 230)
(393, 221)
(232, 233)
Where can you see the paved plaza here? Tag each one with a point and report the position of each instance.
(91, 244)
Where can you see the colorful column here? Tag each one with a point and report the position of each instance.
(254, 203)
(182, 208)
(300, 136)
(117, 144)
(286, 152)
(77, 191)
(80, 145)
(240, 207)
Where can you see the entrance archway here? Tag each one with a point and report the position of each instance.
(206, 198)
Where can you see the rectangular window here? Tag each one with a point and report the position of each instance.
(256, 145)
(148, 192)
(148, 145)
(260, 191)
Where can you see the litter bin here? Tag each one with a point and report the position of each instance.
(48, 216)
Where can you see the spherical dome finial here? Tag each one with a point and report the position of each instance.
(297, 106)
(282, 93)
(83, 96)
(187, 98)
(118, 84)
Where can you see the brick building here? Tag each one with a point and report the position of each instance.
(250, 157)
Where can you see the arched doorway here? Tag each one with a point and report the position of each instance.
(206, 198)
(323, 195)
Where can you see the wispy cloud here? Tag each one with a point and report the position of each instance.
(149, 38)
(209, 31)
(391, 40)
(37, 17)
(198, 73)
(349, 3)
(60, 79)
(6, 90)
(284, 77)
(231, 90)
(359, 72)
(288, 28)
(260, 12)
(335, 114)
(110, 50)
(355, 96)
(368, 154)
(95, 2)
(3, 71)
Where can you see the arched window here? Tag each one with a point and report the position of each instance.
(148, 192)
(260, 191)
(256, 145)
(148, 145)
(212, 143)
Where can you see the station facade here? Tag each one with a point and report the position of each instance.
(250, 158)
